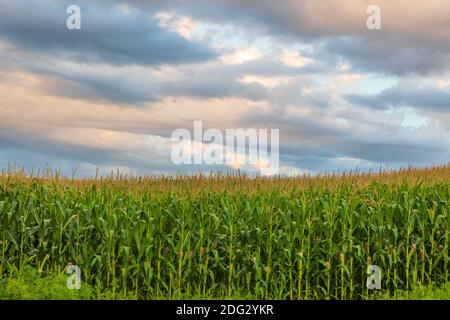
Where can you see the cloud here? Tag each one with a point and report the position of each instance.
(391, 54)
(415, 37)
(139, 85)
(241, 55)
(107, 35)
(110, 94)
(406, 95)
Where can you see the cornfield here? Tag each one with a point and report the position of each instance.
(224, 236)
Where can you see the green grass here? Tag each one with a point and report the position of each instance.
(232, 237)
(29, 284)
(419, 292)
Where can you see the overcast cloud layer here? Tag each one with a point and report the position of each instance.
(110, 95)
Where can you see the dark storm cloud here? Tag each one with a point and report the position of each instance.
(107, 35)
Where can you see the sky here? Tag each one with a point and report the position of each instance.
(109, 96)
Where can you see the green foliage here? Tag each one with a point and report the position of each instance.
(421, 292)
(132, 241)
(430, 292)
(28, 284)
